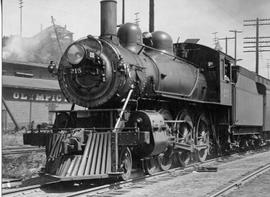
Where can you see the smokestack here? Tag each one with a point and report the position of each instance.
(108, 18)
(151, 15)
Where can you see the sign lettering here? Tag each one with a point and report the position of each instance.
(33, 95)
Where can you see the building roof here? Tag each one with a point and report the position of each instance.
(25, 63)
(30, 83)
(51, 29)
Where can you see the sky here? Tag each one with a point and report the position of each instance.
(182, 19)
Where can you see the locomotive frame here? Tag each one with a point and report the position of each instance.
(151, 103)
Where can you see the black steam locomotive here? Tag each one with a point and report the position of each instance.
(150, 103)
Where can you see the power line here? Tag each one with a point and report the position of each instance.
(260, 46)
(254, 42)
(255, 37)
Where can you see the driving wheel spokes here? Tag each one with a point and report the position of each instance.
(203, 138)
(183, 158)
(184, 135)
(125, 163)
(150, 165)
(165, 159)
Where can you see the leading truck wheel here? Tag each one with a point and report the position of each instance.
(203, 137)
(126, 163)
(165, 159)
(150, 165)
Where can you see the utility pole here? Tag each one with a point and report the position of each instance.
(215, 38)
(21, 6)
(57, 38)
(226, 42)
(257, 23)
(268, 68)
(235, 44)
(151, 15)
(137, 19)
(123, 11)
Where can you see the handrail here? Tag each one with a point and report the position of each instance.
(123, 110)
(117, 124)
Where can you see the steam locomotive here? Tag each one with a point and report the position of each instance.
(151, 104)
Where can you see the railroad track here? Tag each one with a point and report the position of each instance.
(21, 150)
(37, 190)
(238, 183)
(108, 187)
(9, 183)
(111, 189)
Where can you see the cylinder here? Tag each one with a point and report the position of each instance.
(108, 18)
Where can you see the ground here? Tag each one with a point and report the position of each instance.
(21, 166)
(258, 187)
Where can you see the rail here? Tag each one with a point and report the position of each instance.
(242, 181)
(22, 150)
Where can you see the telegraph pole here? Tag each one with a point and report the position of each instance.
(123, 11)
(226, 42)
(257, 23)
(57, 38)
(21, 6)
(268, 68)
(151, 15)
(235, 44)
(137, 19)
(215, 38)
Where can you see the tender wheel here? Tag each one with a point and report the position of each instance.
(184, 135)
(165, 159)
(203, 138)
(126, 163)
(150, 165)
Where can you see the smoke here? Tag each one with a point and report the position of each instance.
(40, 48)
(20, 49)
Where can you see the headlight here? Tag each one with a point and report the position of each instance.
(75, 54)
